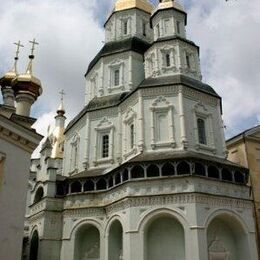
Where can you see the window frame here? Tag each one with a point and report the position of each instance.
(104, 127)
(162, 105)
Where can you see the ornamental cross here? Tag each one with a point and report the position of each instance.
(33, 42)
(18, 44)
(62, 93)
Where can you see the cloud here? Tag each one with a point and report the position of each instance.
(229, 37)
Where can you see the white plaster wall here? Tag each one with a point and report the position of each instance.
(173, 16)
(135, 17)
(13, 200)
(177, 50)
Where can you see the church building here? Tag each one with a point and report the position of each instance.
(141, 172)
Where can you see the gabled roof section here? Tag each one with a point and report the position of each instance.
(251, 132)
(179, 79)
(131, 44)
(114, 100)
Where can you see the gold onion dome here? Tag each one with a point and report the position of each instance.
(166, 4)
(144, 5)
(27, 82)
(7, 79)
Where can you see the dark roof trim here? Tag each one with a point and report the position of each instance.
(130, 44)
(147, 83)
(165, 39)
(113, 12)
(170, 8)
(244, 133)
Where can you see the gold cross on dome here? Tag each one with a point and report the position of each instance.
(62, 93)
(18, 44)
(33, 42)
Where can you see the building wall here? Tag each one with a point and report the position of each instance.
(12, 199)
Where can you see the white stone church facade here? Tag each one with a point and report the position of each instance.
(141, 172)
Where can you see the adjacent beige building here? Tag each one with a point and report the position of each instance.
(244, 149)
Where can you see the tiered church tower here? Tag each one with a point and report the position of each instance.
(144, 172)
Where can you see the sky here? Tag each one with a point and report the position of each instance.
(70, 34)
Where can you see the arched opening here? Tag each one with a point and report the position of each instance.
(115, 241)
(153, 171)
(226, 175)
(89, 185)
(125, 175)
(183, 168)
(227, 239)
(87, 243)
(164, 236)
(38, 195)
(101, 184)
(75, 187)
(137, 172)
(34, 246)
(168, 169)
(239, 177)
(200, 169)
(213, 172)
(110, 182)
(118, 178)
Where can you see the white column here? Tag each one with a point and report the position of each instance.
(140, 122)
(130, 71)
(182, 120)
(86, 161)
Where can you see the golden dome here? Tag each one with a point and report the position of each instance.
(165, 4)
(27, 82)
(144, 5)
(7, 79)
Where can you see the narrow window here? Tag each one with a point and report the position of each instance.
(178, 26)
(144, 28)
(132, 137)
(201, 131)
(116, 77)
(168, 60)
(105, 146)
(162, 127)
(188, 60)
(125, 27)
(158, 30)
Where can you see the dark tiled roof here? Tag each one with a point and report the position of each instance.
(244, 133)
(130, 44)
(178, 79)
(98, 103)
(114, 100)
(175, 37)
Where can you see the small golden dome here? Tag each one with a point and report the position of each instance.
(144, 5)
(165, 4)
(6, 80)
(27, 82)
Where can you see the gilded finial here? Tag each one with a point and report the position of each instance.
(16, 58)
(31, 56)
(61, 110)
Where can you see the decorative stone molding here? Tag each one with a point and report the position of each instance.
(161, 106)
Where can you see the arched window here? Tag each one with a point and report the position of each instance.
(168, 169)
(76, 187)
(153, 171)
(101, 184)
(183, 168)
(168, 60)
(38, 195)
(89, 185)
(137, 172)
(201, 131)
(200, 169)
(105, 146)
(34, 246)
